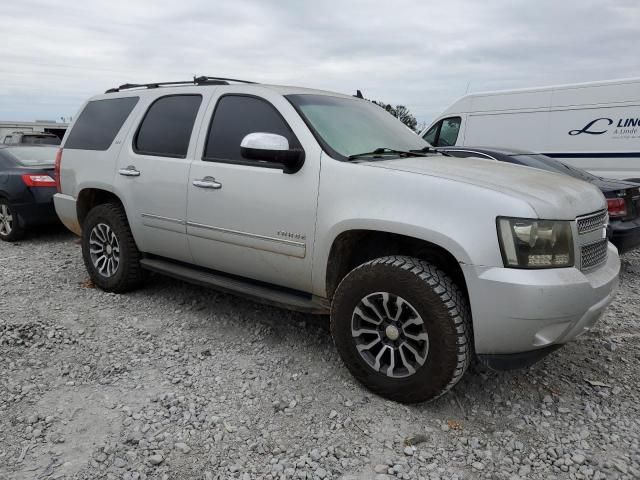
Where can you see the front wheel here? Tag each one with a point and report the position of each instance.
(403, 328)
(109, 251)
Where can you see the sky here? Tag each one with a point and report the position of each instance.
(423, 55)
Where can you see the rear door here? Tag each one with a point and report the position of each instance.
(254, 220)
(153, 169)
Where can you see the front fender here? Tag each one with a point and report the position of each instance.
(326, 239)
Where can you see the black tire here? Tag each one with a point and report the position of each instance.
(129, 273)
(431, 294)
(12, 231)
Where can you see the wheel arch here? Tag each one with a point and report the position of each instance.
(354, 247)
(91, 197)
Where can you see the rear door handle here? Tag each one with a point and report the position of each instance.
(130, 171)
(207, 182)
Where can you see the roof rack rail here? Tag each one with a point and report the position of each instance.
(202, 80)
(206, 79)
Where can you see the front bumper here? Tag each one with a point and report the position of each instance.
(516, 311)
(513, 361)
(625, 235)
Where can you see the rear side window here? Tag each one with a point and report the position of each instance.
(99, 123)
(166, 128)
(235, 117)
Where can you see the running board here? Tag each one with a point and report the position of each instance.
(258, 292)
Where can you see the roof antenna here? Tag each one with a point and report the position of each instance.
(358, 94)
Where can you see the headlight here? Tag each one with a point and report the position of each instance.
(527, 243)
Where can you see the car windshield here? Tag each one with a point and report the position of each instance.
(351, 126)
(545, 163)
(30, 156)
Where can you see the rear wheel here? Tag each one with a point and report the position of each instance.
(403, 328)
(10, 229)
(109, 251)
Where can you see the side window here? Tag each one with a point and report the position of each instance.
(236, 116)
(449, 132)
(431, 135)
(99, 123)
(166, 128)
(8, 139)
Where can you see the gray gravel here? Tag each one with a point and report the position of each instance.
(175, 381)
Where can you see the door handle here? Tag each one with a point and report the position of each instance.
(130, 171)
(207, 182)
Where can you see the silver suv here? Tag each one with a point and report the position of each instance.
(325, 203)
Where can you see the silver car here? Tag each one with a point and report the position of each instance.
(325, 203)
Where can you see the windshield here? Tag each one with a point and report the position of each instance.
(29, 156)
(351, 126)
(545, 163)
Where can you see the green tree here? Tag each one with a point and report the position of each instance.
(401, 112)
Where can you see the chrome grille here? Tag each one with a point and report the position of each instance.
(593, 254)
(592, 243)
(591, 222)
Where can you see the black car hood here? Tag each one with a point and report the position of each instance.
(610, 184)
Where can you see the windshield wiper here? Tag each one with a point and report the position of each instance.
(392, 151)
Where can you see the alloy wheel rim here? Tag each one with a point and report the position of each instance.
(6, 220)
(104, 250)
(390, 335)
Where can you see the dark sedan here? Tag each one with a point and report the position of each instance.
(623, 197)
(27, 186)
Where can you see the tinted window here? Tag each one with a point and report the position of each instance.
(449, 132)
(99, 123)
(29, 156)
(235, 117)
(430, 136)
(40, 140)
(166, 128)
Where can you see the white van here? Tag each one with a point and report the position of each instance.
(594, 126)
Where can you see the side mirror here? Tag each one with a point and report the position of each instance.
(271, 147)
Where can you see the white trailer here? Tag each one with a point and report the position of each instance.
(595, 126)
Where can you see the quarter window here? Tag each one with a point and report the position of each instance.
(166, 128)
(99, 123)
(235, 117)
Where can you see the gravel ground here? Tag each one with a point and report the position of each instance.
(175, 381)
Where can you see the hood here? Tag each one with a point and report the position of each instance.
(553, 196)
(612, 185)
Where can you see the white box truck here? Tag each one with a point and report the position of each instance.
(594, 126)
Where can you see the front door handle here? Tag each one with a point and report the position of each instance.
(130, 171)
(207, 182)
